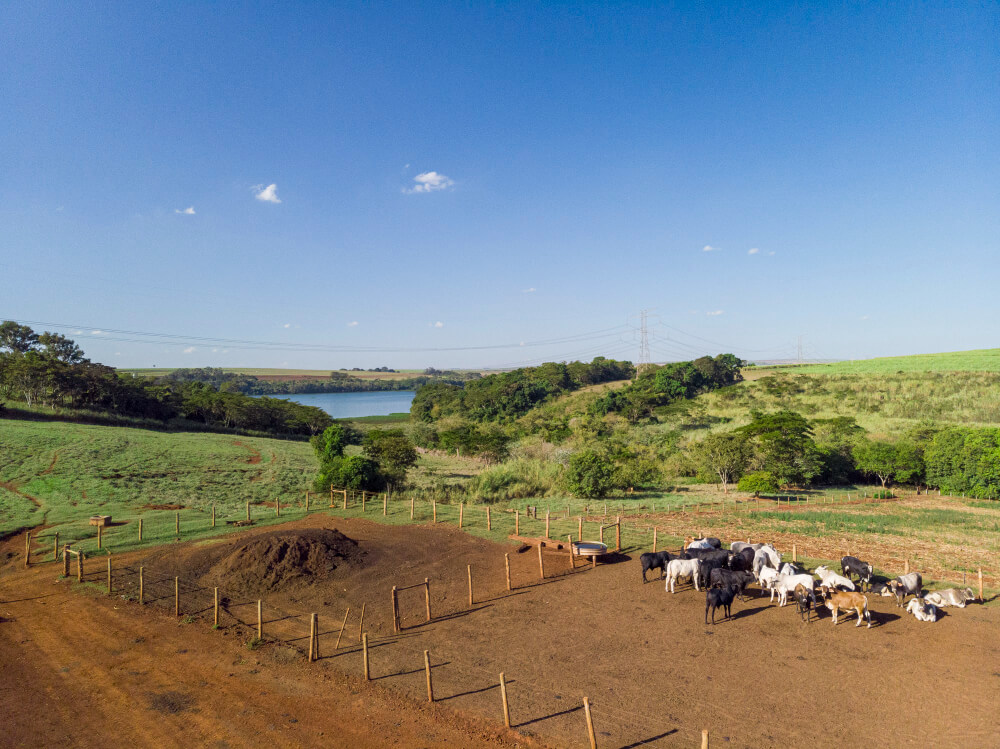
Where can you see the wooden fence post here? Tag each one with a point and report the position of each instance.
(141, 591)
(65, 562)
(579, 528)
(100, 543)
(140, 529)
(503, 696)
(177, 523)
(277, 507)
(618, 534)
(541, 563)
(654, 538)
(546, 524)
(345, 498)
(506, 564)
(55, 548)
(427, 596)
(361, 624)
(427, 668)
(461, 513)
(307, 500)
(248, 510)
(215, 618)
(109, 575)
(312, 638)
(363, 498)
(980, 584)
(79, 566)
(177, 597)
(27, 546)
(342, 626)
(385, 505)
(331, 496)
(260, 620)
(411, 508)
(517, 523)
(906, 566)
(572, 557)
(364, 649)
(489, 523)
(590, 724)
(395, 610)
(704, 738)
(470, 586)
(213, 514)
(794, 554)
(435, 503)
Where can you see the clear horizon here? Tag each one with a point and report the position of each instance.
(415, 185)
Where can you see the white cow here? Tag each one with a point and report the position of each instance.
(924, 612)
(677, 568)
(950, 597)
(831, 579)
(785, 584)
(699, 543)
(767, 575)
(789, 569)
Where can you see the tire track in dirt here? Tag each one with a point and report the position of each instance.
(52, 465)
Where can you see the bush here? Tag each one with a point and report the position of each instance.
(758, 482)
(516, 479)
(590, 474)
(353, 472)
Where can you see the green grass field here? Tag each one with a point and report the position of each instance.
(980, 360)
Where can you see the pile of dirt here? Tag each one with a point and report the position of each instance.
(284, 560)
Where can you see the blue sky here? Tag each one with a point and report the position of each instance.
(458, 179)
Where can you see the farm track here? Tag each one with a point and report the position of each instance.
(87, 663)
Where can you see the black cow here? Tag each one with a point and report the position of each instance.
(854, 566)
(653, 560)
(719, 598)
(710, 560)
(729, 579)
(742, 560)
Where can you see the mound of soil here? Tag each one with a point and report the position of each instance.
(284, 559)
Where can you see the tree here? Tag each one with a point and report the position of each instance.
(727, 455)
(590, 474)
(783, 445)
(393, 451)
(331, 442)
(758, 482)
(888, 461)
(20, 339)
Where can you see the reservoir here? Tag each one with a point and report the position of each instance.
(353, 405)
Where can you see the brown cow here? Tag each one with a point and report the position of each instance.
(848, 601)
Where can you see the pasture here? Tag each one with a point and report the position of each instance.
(978, 360)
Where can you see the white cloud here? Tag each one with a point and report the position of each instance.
(189, 350)
(715, 312)
(709, 248)
(771, 253)
(215, 351)
(437, 324)
(863, 317)
(352, 324)
(287, 325)
(97, 332)
(189, 211)
(753, 251)
(532, 290)
(77, 332)
(430, 182)
(267, 194)
(118, 353)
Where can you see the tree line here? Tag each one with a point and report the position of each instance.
(338, 382)
(50, 370)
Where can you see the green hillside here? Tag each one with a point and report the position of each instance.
(980, 360)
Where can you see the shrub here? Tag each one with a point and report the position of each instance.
(590, 474)
(758, 482)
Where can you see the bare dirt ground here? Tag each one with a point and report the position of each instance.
(88, 669)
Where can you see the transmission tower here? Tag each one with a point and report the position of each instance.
(643, 344)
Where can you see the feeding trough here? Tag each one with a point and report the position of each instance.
(589, 548)
(102, 521)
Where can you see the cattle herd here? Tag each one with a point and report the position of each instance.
(726, 574)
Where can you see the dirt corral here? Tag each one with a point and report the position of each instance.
(654, 672)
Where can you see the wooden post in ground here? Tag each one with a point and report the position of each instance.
(140, 529)
(704, 738)
(363, 498)
(503, 696)
(342, 626)
(260, 620)
(215, 618)
(307, 500)
(618, 534)
(100, 543)
(385, 505)
(980, 584)
(27, 546)
(461, 513)
(547, 524)
(489, 523)
(579, 528)
(654, 538)
(141, 591)
(590, 724)
(395, 609)
(794, 554)
(517, 523)
(277, 507)
(427, 668)
(506, 564)
(177, 597)
(345, 498)
(427, 596)
(213, 514)
(65, 562)
(55, 548)
(312, 638)
(361, 624)
(364, 649)
(602, 534)
(109, 575)
(79, 566)
(248, 510)
(470, 586)
(177, 523)
(541, 563)
(331, 496)
(572, 557)
(906, 566)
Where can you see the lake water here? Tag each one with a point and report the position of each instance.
(353, 405)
